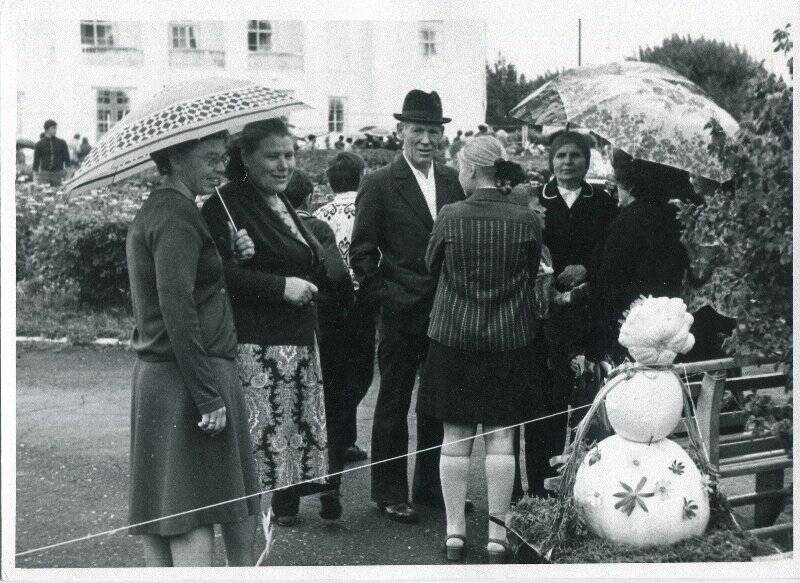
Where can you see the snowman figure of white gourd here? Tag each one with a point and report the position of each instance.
(637, 487)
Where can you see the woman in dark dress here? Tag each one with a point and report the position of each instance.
(275, 313)
(189, 441)
(642, 255)
(484, 253)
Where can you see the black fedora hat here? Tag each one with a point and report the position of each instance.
(422, 107)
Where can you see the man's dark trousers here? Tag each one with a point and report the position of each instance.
(400, 355)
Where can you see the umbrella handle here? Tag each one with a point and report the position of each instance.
(227, 212)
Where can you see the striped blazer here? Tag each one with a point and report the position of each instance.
(484, 252)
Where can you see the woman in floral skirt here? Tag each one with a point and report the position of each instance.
(275, 313)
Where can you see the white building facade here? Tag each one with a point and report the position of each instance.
(87, 74)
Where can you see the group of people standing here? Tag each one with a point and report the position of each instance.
(256, 323)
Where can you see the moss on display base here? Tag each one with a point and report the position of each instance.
(533, 520)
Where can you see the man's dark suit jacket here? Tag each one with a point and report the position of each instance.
(390, 237)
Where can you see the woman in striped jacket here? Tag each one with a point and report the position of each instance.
(484, 253)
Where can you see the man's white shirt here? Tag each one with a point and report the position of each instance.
(426, 185)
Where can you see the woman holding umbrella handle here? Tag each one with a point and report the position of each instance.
(189, 442)
(275, 313)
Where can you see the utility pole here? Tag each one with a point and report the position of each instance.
(579, 42)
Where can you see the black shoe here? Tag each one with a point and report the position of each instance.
(354, 454)
(401, 512)
(289, 520)
(331, 506)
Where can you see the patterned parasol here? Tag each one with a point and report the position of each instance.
(648, 110)
(178, 113)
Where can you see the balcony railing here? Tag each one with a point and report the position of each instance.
(112, 56)
(196, 58)
(270, 60)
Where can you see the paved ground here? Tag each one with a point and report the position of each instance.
(72, 473)
(72, 470)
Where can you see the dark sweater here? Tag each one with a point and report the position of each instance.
(180, 304)
(256, 286)
(50, 155)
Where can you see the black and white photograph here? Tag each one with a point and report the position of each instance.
(397, 291)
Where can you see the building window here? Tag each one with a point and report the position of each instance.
(336, 114)
(112, 105)
(259, 36)
(96, 34)
(428, 42)
(183, 37)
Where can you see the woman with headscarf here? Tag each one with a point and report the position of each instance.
(276, 316)
(642, 254)
(189, 441)
(484, 253)
(577, 217)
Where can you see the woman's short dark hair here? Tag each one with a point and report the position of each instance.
(298, 189)
(344, 172)
(248, 140)
(161, 157)
(644, 178)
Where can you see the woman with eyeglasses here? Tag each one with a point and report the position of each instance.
(275, 312)
(190, 446)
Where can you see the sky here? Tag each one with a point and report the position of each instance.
(540, 36)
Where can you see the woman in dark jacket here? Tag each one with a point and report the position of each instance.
(577, 217)
(189, 442)
(642, 255)
(276, 317)
(484, 253)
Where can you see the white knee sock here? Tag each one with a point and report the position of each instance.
(453, 471)
(499, 484)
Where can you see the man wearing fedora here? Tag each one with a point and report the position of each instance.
(395, 210)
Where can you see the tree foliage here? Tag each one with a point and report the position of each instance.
(722, 70)
(505, 87)
(753, 224)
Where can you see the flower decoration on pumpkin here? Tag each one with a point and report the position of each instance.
(663, 489)
(689, 509)
(631, 498)
(677, 468)
(656, 330)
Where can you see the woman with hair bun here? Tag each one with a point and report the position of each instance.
(484, 253)
(274, 308)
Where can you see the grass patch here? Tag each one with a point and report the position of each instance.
(58, 314)
(533, 518)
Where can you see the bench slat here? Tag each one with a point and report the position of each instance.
(745, 499)
(754, 456)
(773, 380)
(775, 529)
(747, 446)
(759, 467)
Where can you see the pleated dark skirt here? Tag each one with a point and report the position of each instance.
(174, 466)
(466, 387)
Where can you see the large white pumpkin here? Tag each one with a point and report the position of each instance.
(641, 494)
(646, 407)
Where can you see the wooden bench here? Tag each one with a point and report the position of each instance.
(736, 452)
(732, 450)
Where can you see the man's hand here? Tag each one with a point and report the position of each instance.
(572, 276)
(299, 292)
(241, 244)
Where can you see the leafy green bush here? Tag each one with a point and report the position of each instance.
(751, 278)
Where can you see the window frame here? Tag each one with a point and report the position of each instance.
(336, 105)
(91, 41)
(259, 29)
(429, 38)
(185, 35)
(111, 106)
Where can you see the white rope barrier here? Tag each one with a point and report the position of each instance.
(310, 480)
